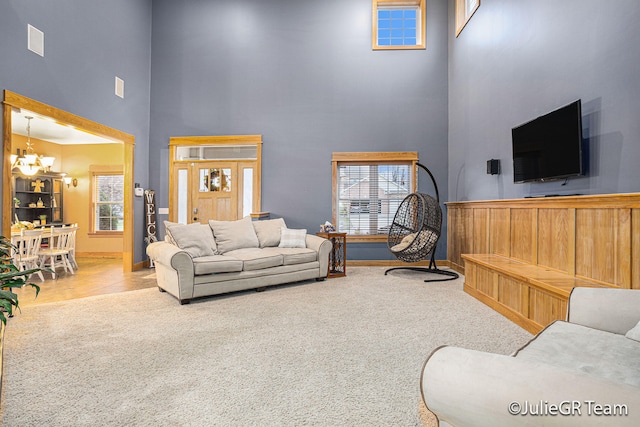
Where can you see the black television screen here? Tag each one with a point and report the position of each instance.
(549, 147)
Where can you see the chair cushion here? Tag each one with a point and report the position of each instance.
(256, 259)
(586, 350)
(293, 256)
(216, 264)
(232, 235)
(268, 231)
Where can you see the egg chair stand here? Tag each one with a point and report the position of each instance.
(415, 232)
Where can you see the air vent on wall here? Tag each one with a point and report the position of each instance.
(119, 87)
(35, 40)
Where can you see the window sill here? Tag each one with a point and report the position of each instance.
(106, 234)
(370, 238)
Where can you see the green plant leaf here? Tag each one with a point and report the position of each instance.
(7, 306)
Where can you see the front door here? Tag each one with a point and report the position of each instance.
(214, 177)
(215, 191)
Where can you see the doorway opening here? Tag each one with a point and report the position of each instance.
(15, 103)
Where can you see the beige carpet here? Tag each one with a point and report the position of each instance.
(342, 352)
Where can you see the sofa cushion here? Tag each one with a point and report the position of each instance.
(256, 259)
(293, 256)
(268, 231)
(195, 239)
(587, 350)
(216, 264)
(634, 333)
(292, 238)
(231, 235)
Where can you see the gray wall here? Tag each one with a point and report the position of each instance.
(302, 74)
(87, 43)
(516, 60)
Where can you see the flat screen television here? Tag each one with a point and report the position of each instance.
(549, 147)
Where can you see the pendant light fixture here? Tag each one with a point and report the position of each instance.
(31, 163)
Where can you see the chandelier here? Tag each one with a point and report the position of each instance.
(31, 163)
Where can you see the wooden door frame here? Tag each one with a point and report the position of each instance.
(14, 100)
(181, 141)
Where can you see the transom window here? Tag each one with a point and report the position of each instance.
(367, 190)
(398, 24)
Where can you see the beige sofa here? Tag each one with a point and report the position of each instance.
(582, 372)
(198, 260)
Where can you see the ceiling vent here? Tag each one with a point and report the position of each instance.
(35, 40)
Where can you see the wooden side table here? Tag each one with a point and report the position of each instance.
(338, 255)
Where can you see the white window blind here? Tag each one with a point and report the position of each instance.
(109, 202)
(369, 195)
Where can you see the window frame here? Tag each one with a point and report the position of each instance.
(421, 24)
(463, 14)
(95, 172)
(338, 159)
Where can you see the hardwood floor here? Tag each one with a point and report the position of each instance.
(95, 276)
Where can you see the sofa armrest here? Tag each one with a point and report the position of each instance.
(323, 247)
(467, 387)
(606, 309)
(174, 269)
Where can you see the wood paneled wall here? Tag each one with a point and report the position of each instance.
(589, 237)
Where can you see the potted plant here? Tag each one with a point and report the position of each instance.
(11, 277)
(16, 202)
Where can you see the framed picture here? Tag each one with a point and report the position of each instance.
(464, 11)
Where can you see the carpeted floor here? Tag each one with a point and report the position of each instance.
(342, 352)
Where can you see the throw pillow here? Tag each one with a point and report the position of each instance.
(167, 232)
(191, 238)
(268, 231)
(634, 333)
(291, 238)
(231, 235)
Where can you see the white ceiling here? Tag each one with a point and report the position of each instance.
(47, 129)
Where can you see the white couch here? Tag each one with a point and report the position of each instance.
(582, 372)
(198, 260)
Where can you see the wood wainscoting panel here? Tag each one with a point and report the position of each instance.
(486, 282)
(470, 276)
(603, 246)
(460, 227)
(500, 231)
(545, 308)
(523, 234)
(514, 294)
(550, 245)
(556, 239)
(480, 231)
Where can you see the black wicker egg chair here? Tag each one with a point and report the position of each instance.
(415, 232)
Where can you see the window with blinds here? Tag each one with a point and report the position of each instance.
(368, 188)
(108, 203)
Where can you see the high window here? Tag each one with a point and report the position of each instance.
(108, 202)
(367, 190)
(398, 24)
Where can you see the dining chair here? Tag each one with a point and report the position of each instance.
(26, 256)
(71, 245)
(57, 252)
